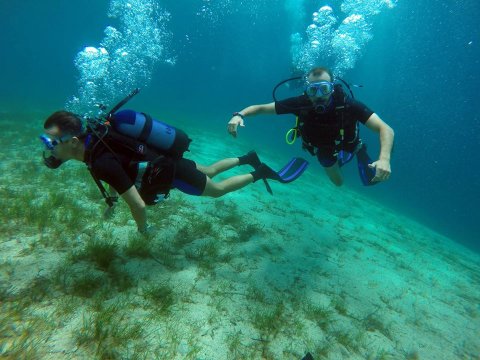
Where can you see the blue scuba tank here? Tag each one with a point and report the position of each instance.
(161, 136)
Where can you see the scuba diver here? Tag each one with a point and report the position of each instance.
(141, 159)
(327, 122)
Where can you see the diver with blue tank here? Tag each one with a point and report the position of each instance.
(327, 122)
(141, 159)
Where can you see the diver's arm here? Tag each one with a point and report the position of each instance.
(386, 135)
(251, 110)
(137, 207)
(258, 109)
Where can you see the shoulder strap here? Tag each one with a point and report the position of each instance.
(339, 98)
(110, 200)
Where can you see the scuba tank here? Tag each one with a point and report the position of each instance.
(161, 136)
(134, 131)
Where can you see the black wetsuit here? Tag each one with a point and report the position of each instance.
(321, 132)
(120, 169)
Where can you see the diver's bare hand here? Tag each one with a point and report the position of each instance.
(233, 125)
(382, 170)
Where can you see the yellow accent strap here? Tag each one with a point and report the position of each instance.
(291, 134)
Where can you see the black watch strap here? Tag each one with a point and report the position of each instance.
(238, 114)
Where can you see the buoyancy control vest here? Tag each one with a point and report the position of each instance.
(307, 118)
(149, 139)
(327, 128)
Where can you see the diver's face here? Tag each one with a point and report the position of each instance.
(64, 150)
(318, 78)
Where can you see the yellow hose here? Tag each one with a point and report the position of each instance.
(291, 134)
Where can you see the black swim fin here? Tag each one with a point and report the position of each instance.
(366, 173)
(251, 158)
(267, 185)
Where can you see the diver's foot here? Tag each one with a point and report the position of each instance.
(251, 158)
(264, 172)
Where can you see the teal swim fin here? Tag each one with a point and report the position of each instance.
(366, 173)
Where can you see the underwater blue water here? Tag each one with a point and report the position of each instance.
(420, 73)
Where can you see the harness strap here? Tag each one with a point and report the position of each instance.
(147, 128)
(340, 146)
(110, 200)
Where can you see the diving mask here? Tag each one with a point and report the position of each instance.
(50, 143)
(319, 89)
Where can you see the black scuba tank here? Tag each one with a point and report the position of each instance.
(159, 135)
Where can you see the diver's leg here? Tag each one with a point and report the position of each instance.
(218, 167)
(191, 180)
(334, 174)
(328, 159)
(217, 189)
(251, 158)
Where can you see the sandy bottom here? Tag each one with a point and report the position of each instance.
(248, 276)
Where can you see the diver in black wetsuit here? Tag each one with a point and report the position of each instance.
(127, 172)
(328, 125)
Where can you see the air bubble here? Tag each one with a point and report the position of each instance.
(125, 58)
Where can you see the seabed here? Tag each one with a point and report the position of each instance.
(248, 276)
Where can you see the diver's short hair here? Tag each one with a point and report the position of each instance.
(319, 71)
(67, 122)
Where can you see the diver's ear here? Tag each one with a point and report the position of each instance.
(75, 141)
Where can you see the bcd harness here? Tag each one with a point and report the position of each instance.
(341, 106)
(160, 171)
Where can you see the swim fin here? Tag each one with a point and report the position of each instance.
(292, 171)
(267, 185)
(366, 173)
(344, 157)
(251, 158)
